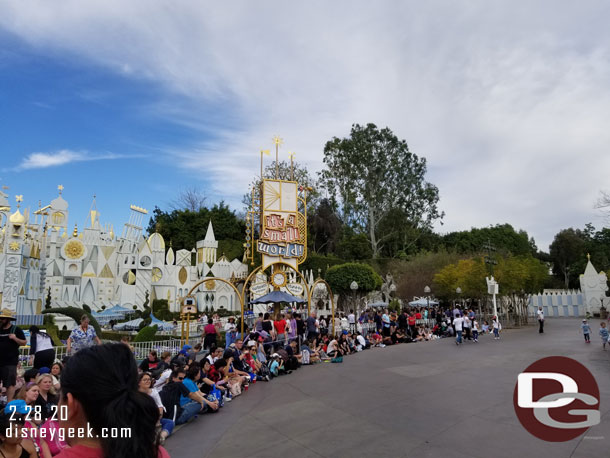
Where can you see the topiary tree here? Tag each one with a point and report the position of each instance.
(146, 334)
(76, 313)
(341, 277)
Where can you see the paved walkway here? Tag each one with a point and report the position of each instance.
(430, 399)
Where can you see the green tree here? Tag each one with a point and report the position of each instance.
(341, 276)
(568, 248)
(372, 173)
(184, 228)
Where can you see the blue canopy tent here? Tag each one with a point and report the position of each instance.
(132, 325)
(161, 325)
(278, 296)
(119, 309)
(378, 304)
(105, 316)
(423, 302)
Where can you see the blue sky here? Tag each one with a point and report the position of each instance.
(134, 100)
(68, 121)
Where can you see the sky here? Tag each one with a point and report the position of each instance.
(134, 101)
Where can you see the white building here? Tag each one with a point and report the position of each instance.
(40, 255)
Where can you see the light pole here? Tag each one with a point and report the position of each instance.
(458, 291)
(427, 293)
(354, 287)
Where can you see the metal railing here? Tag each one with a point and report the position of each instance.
(140, 349)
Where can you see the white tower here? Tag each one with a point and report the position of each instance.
(593, 286)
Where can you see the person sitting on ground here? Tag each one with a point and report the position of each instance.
(277, 365)
(12, 443)
(171, 396)
(375, 339)
(293, 352)
(207, 384)
(150, 363)
(56, 369)
(214, 355)
(314, 356)
(166, 425)
(343, 344)
(47, 396)
(30, 375)
(333, 349)
(29, 393)
(485, 327)
(361, 342)
(191, 381)
(232, 373)
(194, 353)
(251, 357)
(100, 391)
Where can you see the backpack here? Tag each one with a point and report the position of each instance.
(337, 359)
(305, 357)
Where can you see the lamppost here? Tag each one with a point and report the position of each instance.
(427, 293)
(458, 291)
(354, 287)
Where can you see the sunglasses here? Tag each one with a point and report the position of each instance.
(180, 378)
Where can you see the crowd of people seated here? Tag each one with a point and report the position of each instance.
(169, 390)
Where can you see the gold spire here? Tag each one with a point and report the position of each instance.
(588, 256)
(112, 232)
(75, 233)
(60, 188)
(277, 141)
(17, 218)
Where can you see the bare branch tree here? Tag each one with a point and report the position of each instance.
(191, 198)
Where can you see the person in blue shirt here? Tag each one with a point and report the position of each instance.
(603, 333)
(586, 330)
(193, 374)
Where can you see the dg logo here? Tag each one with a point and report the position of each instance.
(557, 399)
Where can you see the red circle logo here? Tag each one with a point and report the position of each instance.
(556, 399)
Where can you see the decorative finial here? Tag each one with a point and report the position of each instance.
(60, 188)
(588, 256)
(19, 199)
(75, 233)
(277, 140)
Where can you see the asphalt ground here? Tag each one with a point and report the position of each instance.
(428, 399)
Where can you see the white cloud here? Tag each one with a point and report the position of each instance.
(62, 157)
(508, 102)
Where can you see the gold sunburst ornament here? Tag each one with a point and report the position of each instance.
(13, 246)
(74, 249)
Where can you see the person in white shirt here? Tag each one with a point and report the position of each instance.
(496, 327)
(541, 320)
(467, 327)
(351, 320)
(475, 330)
(360, 342)
(458, 324)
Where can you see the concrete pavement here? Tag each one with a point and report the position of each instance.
(429, 399)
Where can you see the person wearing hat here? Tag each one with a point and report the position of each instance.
(586, 330)
(12, 419)
(11, 338)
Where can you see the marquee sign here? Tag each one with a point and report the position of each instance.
(283, 232)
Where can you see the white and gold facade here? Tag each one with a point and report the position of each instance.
(39, 254)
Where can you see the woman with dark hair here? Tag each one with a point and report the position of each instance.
(12, 443)
(209, 334)
(56, 369)
(166, 425)
(41, 348)
(99, 387)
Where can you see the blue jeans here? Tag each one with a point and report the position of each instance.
(188, 411)
(496, 332)
(167, 425)
(458, 338)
